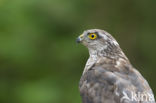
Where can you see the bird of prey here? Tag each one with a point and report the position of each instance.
(108, 76)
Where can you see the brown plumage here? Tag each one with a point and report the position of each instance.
(108, 76)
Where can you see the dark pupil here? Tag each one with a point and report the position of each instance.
(92, 36)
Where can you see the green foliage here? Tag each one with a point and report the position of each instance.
(39, 59)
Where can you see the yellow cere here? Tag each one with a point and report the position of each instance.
(81, 36)
(92, 36)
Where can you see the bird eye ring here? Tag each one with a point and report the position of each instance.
(92, 36)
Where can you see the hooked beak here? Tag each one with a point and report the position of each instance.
(80, 38)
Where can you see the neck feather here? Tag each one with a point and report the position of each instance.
(105, 52)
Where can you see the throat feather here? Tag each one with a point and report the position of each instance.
(91, 61)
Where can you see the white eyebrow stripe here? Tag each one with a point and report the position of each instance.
(104, 36)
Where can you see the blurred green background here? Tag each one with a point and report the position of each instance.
(39, 59)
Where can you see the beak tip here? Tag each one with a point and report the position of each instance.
(78, 40)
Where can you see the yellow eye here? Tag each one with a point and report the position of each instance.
(92, 36)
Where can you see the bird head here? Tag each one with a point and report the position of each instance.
(96, 39)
